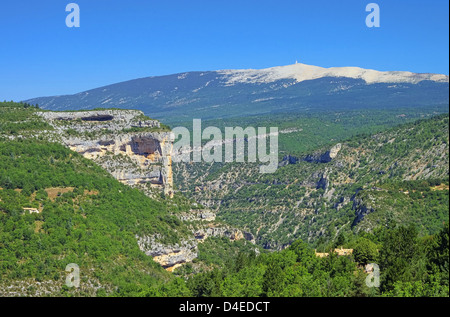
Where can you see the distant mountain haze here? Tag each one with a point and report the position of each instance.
(232, 93)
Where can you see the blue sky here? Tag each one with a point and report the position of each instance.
(122, 40)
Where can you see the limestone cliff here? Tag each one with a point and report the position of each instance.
(133, 148)
(169, 257)
(326, 157)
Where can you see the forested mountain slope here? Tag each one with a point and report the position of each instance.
(400, 174)
(58, 207)
(383, 195)
(82, 215)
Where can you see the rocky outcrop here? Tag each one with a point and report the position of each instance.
(334, 151)
(133, 158)
(313, 158)
(288, 159)
(323, 183)
(112, 120)
(325, 157)
(230, 233)
(361, 209)
(196, 215)
(169, 256)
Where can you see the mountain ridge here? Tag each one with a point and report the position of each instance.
(227, 93)
(302, 72)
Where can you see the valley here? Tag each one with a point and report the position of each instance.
(362, 166)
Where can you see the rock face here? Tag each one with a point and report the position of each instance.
(170, 257)
(195, 215)
(113, 120)
(313, 158)
(334, 151)
(325, 157)
(288, 159)
(230, 233)
(118, 140)
(361, 209)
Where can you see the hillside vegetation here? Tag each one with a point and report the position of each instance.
(399, 174)
(384, 195)
(85, 217)
(410, 266)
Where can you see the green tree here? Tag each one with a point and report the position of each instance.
(401, 258)
(365, 251)
(439, 256)
(273, 280)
